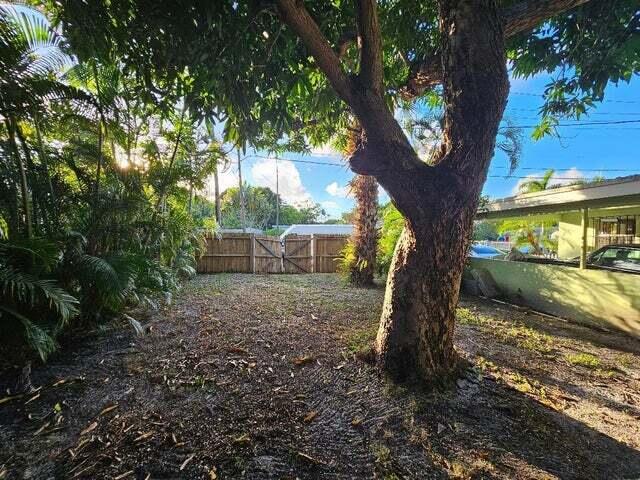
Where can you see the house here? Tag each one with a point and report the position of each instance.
(318, 229)
(593, 214)
(589, 216)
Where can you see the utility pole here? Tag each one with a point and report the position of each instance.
(277, 198)
(242, 215)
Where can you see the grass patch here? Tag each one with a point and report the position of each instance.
(509, 332)
(361, 340)
(584, 360)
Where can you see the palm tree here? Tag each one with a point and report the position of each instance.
(363, 243)
(31, 56)
(537, 184)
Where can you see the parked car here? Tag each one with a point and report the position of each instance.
(485, 251)
(624, 258)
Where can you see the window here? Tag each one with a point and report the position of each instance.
(615, 230)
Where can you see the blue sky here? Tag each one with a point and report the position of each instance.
(584, 151)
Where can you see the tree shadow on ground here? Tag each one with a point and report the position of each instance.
(509, 432)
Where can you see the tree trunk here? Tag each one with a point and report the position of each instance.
(365, 235)
(216, 186)
(415, 338)
(438, 200)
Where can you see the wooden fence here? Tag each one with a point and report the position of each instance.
(249, 253)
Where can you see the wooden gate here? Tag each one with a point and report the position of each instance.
(248, 253)
(298, 254)
(267, 255)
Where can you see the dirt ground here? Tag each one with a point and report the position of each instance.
(249, 376)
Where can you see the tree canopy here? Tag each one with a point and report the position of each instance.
(239, 62)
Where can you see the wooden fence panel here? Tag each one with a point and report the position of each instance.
(298, 254)
(228, 253)
(327, 251)
(267, 255)
(248, 253)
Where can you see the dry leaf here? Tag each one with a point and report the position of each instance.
(310, 458)
(124, 475)
(356, 421)
(241, 350)
(108, 409)
(303, 360)
(41, 429)
(8, 399)
(244, 438)
(35, 397)
(212, 474)
(186, 462)
(144, 436)
(90, 428)
(310, 416)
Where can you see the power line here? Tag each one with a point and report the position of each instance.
(604, 122)
(539, 95)
(572, 168)
(518, 109)
(532, 177)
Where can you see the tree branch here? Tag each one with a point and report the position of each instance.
(371, 73)
(296, 16)
(516, 19)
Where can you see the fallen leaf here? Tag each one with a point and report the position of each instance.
(8, 399)
(310, 416)
(356, 421)
(212, 474)
(303, 360)
(244, 438)
(441, 428)
(35, 397)
(90, 428)
(108, 409)
(186, 462)
(144, 436)
(310, 458)
(124, 475)
(41, 429)
(240, 350)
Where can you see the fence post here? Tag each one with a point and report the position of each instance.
(252, 261)
(313, 253)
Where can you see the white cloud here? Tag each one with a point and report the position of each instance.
(291, 188)
(226, 179)
(336, 190)
(332, 208)
(564, 177)
(325, 150)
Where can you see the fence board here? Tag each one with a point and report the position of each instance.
(268, 255)
(327, 251)
(228, 253)
(298, 254)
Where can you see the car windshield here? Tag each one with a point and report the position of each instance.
(618, 257)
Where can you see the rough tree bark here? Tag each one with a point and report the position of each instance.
(439, 200)
(364, 238)
(365, 233)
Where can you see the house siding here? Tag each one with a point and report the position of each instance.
(570, 230)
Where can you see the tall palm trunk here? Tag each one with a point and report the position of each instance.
(216, 187)
(365, 235)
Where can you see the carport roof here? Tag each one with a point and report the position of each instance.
(617, 192)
